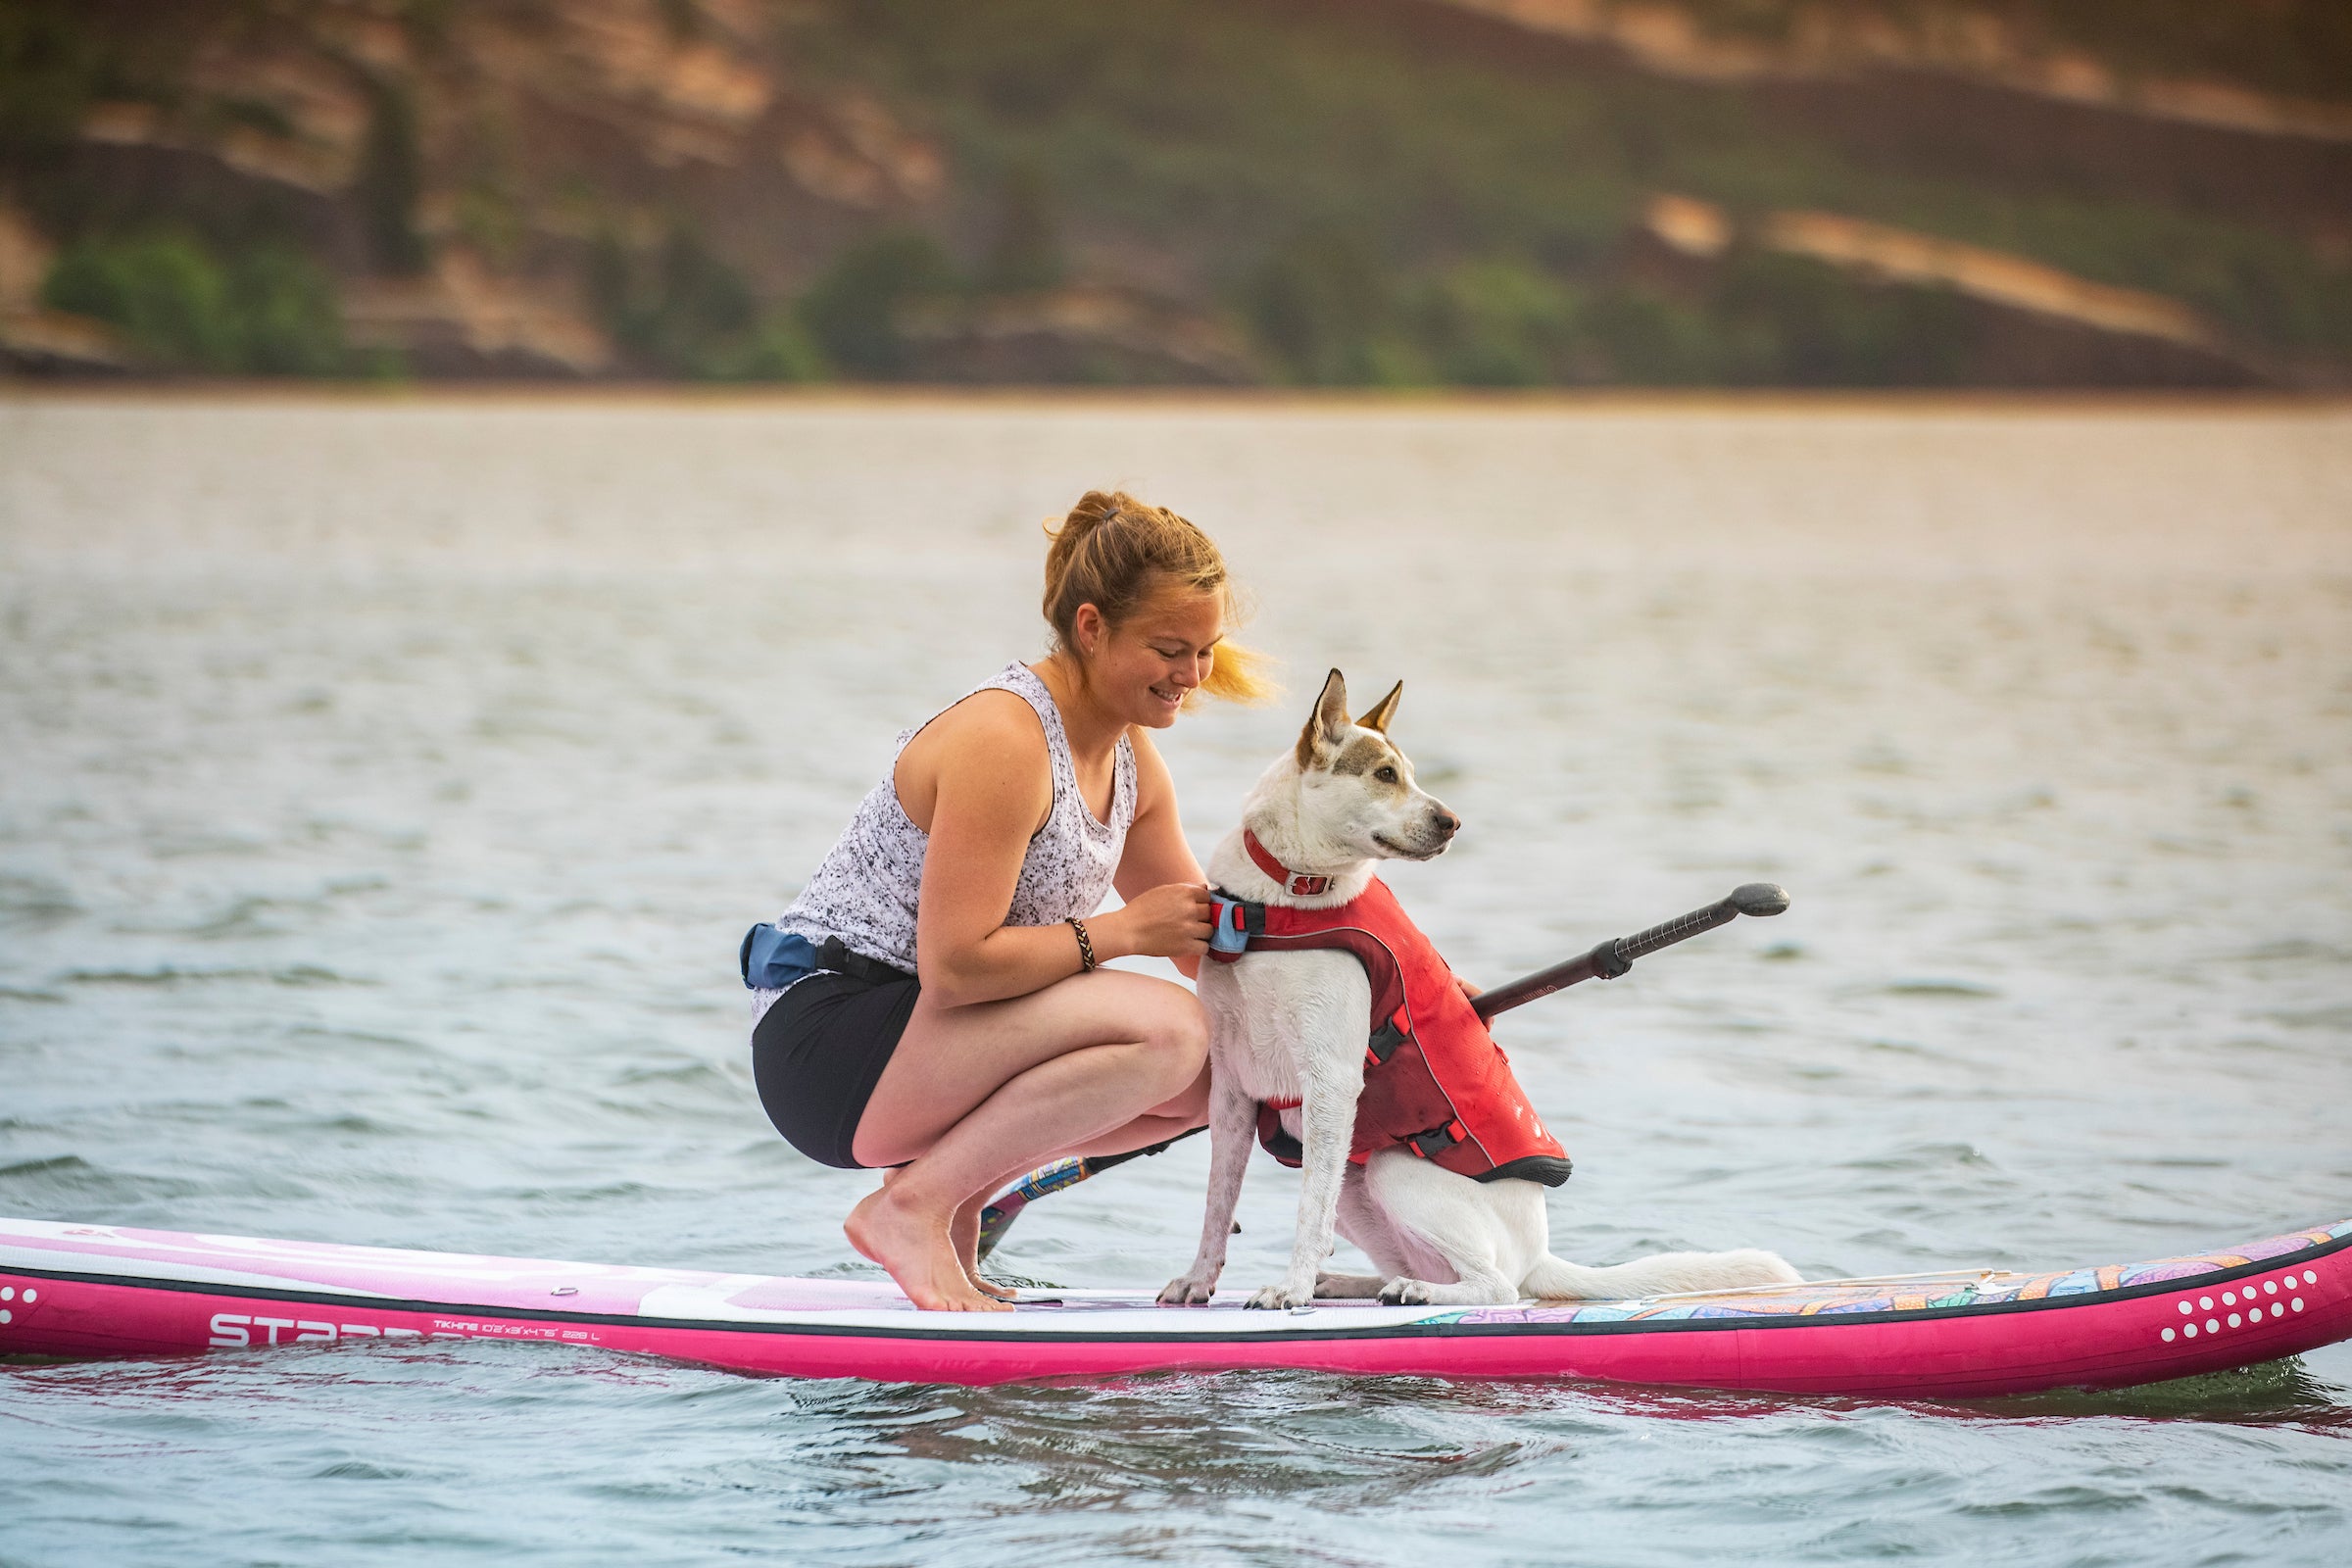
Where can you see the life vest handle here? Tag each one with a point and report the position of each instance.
(1616, 955)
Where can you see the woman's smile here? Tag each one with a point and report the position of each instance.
(1179, 631)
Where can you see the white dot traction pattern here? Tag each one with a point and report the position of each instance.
(2289, 1284)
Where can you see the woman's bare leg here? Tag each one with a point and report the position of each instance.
(1187, 1110)
(963, 1233)
(976, 1095)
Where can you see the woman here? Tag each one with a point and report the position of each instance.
(955, 1025)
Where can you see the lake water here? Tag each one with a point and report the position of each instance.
(385, 784)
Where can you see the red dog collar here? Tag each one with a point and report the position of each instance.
(1296, 884)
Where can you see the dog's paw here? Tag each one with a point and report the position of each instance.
(1276, 1298)
(1406, 1293)
(1187, 1289)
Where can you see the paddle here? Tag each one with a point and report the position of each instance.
(1606, 961)
(998, 1218)
(1616, 955)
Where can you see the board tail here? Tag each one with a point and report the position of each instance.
(1666, 1274)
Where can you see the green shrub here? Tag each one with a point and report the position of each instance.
(685, 312)
(1826, 328)
(1320, 304)
(285, 320)
(270, 311)
(165, 294)
(1496, 323)
(778, 349)
(852, 311)
(1645, 338)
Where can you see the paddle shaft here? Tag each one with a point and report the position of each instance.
(1616, 955)
(998, 1216)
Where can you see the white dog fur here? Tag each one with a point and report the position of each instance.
(1293, 1025)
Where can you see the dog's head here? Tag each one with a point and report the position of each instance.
(1356, 789)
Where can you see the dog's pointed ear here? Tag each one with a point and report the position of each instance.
(1328, 726)
(1383, 710)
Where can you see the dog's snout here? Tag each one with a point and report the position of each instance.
(1447, 822)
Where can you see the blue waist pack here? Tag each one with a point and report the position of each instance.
(773, 960)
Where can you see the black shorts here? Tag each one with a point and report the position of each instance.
(819, 1051)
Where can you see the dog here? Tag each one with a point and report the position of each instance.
(1288, 1029)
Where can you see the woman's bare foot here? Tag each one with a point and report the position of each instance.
(914, 1247)
(964, 1232)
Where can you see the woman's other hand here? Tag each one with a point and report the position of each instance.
(1171, 921)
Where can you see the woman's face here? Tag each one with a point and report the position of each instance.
(1146, 667)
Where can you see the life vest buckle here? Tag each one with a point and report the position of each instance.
(1437, 1139)
(1388, 1037)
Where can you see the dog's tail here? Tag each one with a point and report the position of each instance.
(1666, 1274)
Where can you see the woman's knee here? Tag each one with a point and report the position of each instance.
(1190, 1103)
(1177, 1031)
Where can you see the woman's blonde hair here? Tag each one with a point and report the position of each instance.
(1114, 552)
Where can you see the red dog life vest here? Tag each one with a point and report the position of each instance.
(1435, 1081)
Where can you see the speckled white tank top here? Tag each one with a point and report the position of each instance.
(864, 891)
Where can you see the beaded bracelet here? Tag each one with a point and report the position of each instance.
(1086, 945)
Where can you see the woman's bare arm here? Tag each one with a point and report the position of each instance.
(979, 781)
(1156, 853)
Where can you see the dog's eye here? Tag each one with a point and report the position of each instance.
(1387, 775)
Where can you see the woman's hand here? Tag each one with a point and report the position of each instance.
(1469, 989)
(1171, 921)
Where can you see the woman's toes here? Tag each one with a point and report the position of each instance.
(913, 1246)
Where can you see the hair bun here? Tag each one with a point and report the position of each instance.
(1094, 509)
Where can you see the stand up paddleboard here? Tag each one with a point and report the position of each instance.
(86, 1291)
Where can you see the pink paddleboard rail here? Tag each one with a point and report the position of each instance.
(100, 1290)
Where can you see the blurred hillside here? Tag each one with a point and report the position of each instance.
(1388, 192)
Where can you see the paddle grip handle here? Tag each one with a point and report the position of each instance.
(1683, 927)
